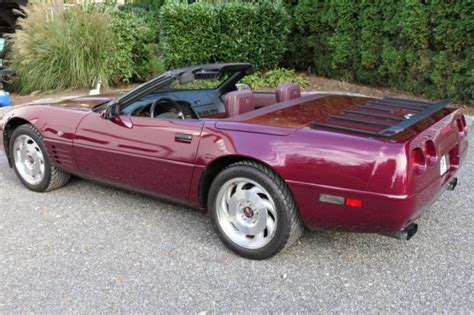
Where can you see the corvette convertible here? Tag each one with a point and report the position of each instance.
(265, 165)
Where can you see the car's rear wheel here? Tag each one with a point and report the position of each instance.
(30, 161)
(253, 210)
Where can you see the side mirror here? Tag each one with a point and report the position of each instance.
(111, 111)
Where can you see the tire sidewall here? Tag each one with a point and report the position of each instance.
(26, 130)
(283, 220)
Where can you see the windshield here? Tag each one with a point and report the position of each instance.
(221, 77)
(197, 84)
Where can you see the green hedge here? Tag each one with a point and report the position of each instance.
(272, 78)
(423, 47)
(230, 32)
(136, 52)
(149, 5)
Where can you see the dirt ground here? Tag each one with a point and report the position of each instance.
(316, 84)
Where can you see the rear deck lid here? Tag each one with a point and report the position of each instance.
(387, 118)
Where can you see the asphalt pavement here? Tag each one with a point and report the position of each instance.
(90, 248)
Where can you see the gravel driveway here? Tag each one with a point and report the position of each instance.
(88, 247)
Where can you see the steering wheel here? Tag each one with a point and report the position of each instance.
(160, 103)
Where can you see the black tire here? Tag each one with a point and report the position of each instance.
(289, 226)
(53, 177)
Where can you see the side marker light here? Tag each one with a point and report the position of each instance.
(351, 202)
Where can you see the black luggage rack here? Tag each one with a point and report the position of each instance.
(383, 108)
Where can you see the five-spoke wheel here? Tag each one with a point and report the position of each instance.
(246, 213)
(30, 161)
(253, 210)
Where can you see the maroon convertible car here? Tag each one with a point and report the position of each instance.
(263, 164)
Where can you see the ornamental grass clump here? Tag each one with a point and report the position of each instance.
(57, 48)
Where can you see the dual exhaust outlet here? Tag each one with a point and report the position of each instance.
(408, 232)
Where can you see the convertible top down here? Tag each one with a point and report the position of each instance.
(264, 164)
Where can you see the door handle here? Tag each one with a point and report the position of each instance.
(183, 137)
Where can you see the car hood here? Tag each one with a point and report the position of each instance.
(82, 102)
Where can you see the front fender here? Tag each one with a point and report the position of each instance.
(10, 119)
(57, 125)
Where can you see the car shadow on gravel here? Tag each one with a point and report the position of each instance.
(160, 212)
(183, 227)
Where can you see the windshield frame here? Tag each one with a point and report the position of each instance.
(238, 70)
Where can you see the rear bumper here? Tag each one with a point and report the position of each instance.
(379, 213)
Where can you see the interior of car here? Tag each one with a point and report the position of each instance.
(196, 104)
(207, 99)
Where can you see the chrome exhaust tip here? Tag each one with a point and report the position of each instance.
(452, 183)
(405, 234)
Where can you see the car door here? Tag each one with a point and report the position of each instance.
(144, 154)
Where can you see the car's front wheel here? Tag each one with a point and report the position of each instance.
(253, 210)
(30, 161)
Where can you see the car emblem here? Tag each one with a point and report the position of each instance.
(248, 212)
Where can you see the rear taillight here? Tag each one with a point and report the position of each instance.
(461, 122)
(430, 153)
(418, 161)
(454, 156)
(460, 126)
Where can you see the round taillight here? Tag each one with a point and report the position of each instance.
(418, 161)
(430, 153)
(460, 126)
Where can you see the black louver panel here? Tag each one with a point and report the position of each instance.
(379, 122)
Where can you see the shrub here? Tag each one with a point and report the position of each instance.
(189, 34)
(136, 56)
(237, 32)
(73, 48)
(273, 78)
(57, 49)
(424, 47)
(150, 5)
(224, 32)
